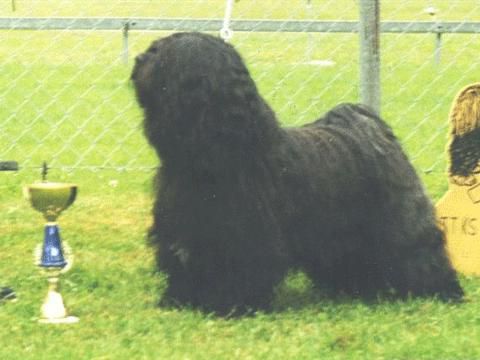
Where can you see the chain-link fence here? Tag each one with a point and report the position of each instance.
(65, 95)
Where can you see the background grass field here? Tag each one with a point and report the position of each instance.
(65, 98)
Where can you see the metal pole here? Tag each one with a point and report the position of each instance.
(432, 11)
(369, 34)
(438, 47)
(309, 34)
(126, 27)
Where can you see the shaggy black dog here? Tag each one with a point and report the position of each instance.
(241, 200)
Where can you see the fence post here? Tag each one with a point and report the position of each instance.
(369, 34)
(438, 46)
(126, 28)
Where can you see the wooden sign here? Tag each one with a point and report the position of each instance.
(458, 211)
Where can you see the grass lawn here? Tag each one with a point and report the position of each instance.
(65, 98)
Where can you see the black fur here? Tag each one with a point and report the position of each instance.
(241, 200)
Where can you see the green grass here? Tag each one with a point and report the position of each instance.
(65, 97)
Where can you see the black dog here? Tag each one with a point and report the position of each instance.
(241, 200)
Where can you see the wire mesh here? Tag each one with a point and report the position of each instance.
(65, 95)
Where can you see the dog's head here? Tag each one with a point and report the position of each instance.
(184, 61)
(194, 87)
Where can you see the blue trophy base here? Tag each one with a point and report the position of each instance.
(52, 251)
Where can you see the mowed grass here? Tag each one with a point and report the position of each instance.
(65, 97)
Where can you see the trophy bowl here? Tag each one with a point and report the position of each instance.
(51, 198)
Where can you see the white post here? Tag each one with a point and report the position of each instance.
(226, 32)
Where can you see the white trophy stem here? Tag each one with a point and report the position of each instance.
(53, 310)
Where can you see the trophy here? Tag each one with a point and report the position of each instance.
(51, 198)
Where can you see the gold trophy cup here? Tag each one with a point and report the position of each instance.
(51, 198)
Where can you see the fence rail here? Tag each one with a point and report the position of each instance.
(99, 23)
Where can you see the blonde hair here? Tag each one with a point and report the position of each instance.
(465, 112)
